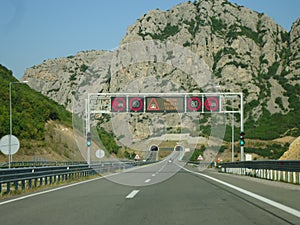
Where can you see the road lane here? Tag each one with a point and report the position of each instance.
(150, 174)
(184, 198)
(87, 203)
(188, 199)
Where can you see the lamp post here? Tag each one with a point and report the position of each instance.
(10, 119)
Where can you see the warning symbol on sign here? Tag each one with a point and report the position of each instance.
(137, 157)
(200, 158)
(153, 105)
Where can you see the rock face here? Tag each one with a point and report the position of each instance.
(58, 78)
(293, 152)
(245, 51)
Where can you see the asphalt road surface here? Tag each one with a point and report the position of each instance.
(159, 196)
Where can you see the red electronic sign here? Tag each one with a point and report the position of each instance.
(118, 104)
(136, 104)
(165, 104)
(211, 104)
(194, 104)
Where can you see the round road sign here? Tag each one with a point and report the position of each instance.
(194, 104)
(136, 104)
(118, 104)
(100, 154)
(14, 143)
(212, 104)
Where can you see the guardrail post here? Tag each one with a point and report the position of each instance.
(41, 181)
(272, 174)
(294, 178)
(0, 188)
(29, 183)
(23, 184)
(7, 187)
(16, 184)
(289, 176)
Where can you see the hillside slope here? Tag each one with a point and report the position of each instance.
(31, 111)
(293, 152)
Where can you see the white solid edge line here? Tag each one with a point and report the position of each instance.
(132, 194)
(253, 195)
(48, 191)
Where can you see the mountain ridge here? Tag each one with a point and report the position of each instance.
(245, 50)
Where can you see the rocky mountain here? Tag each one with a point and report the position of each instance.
(244, 50)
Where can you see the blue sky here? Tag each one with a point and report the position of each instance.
(35, 30)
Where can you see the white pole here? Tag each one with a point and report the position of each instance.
(88, 130)
(232, 137)
(242, 124)
(10, 120)
(10, 126)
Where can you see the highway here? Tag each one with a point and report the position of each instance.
(156, 195)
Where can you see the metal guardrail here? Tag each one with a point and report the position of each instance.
(29, 177)
(281, 165)
(38, 176)
(40, 163)
(277, 170)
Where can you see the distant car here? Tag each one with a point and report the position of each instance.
(170, 160)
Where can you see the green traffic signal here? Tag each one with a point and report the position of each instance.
(88, 143)
(242, 140)
(89, 139)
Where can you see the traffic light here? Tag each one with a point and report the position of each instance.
(242, 140)
(89, 139)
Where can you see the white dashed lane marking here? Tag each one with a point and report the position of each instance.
(132, 194)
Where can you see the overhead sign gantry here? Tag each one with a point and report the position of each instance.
(106, 103)
(163, 103)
